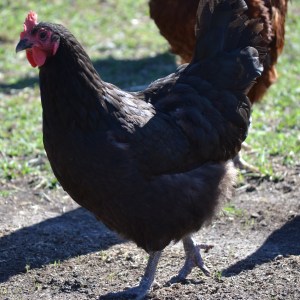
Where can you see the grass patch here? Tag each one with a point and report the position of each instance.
(127, 50)
(123, 44)
(231, 210)
(276, 120)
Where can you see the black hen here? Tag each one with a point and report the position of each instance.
(151, 165)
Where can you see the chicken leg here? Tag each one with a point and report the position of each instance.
(140, 291)
(192, 259)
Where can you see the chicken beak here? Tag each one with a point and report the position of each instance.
(23, 44)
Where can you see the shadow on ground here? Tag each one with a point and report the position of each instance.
(20, 84)
(57, 239)
(124, 73)
(284, 241)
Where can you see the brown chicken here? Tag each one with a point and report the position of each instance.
(151, 165)
(176, 21)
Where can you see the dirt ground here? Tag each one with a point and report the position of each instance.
(52, 249)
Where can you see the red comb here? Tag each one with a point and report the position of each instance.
(30, 22)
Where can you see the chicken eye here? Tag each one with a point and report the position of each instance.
(43, 35)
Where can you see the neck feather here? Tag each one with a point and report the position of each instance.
(72, 92)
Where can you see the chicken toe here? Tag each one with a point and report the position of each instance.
(193, 258)
(241, 164)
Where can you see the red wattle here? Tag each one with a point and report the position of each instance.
(39, 56)
(29, 56)
(36, 57)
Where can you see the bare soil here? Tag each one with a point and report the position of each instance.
(52, 249)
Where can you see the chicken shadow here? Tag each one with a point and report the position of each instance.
(74, 233)
(124, 73)
(284, 241)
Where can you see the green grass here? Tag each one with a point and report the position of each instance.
(275, 134)
(128, 50)
(124, 45)
(231, 210)
(118, 29)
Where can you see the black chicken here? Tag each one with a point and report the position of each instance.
(151, 165)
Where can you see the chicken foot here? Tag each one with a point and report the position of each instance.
(241, 164)
(140, 291)
(192, 259)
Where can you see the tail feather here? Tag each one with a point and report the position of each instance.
(224, 24)
(211, 27)
(229, 44)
